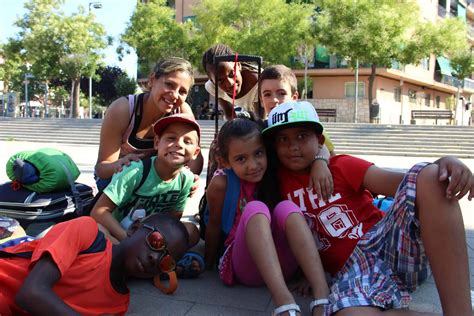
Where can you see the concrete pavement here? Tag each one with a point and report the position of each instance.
(207, 295)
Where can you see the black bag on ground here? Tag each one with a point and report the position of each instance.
(38, 211)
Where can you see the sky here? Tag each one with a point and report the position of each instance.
(113, 15)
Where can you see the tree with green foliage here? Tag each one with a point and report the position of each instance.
(108, 84)
(462, 63)
(273, 29)
(124, 85)
(155, 34)
(57, 45)
(383, 31)
(14, 65)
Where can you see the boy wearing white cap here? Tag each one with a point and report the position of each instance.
(375, 259)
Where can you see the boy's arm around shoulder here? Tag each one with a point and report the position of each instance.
(215, 201)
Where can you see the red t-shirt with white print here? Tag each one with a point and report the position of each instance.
(339, 224)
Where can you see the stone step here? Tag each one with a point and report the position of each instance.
(402, 140)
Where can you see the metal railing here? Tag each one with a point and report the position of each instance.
(451, 80)
(468, 84)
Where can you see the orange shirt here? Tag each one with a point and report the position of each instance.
(84, 284)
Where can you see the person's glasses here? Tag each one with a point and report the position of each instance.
(157, 242)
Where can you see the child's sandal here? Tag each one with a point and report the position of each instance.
(318, 302)
(292, 309)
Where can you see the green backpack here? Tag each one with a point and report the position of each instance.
(55, 169)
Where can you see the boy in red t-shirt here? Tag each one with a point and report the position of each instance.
(375, 259)
(73, 269)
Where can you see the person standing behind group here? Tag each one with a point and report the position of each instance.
(246, 82)
(127, 129)
(246, 79)
(278, 84)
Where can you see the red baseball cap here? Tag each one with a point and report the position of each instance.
(164, 122)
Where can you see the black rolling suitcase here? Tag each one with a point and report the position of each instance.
(38, 211)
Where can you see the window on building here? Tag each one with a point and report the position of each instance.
(425, 63)
(191, 18)
(412, 96)
(349, 91)
(438, 101)
(427, 99)
(397, 94)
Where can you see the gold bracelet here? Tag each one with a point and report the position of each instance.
(318, 157)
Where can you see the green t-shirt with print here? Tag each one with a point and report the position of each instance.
(155, 195)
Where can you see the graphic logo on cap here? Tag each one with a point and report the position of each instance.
(291, 115)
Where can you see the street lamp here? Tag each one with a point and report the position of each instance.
(95, 5)
(27, 76)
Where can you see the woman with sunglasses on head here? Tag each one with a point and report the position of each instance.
(74, 270)
(127, 135)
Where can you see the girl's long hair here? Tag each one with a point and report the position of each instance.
(268, 190)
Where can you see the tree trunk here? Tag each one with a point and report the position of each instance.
(46, 109)
(305, 93)
(76, 83)
(371, 83)
(71, 100)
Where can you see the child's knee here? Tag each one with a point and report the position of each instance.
(255, 207)
(283, 210)
(428, 182)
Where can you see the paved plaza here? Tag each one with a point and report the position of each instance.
(207, 295)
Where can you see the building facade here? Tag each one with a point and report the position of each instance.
(397, 91)
(400, 89)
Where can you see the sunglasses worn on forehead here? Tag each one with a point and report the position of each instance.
(157, 242)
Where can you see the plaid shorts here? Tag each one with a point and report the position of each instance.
(389, 262)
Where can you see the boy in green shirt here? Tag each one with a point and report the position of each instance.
(165, 187)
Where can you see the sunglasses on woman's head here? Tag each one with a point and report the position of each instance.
(157, 242)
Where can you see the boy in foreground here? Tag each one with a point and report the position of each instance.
(166, 186)
(375, 259)
(164, 189)
(75, 270)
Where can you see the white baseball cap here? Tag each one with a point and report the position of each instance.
(292, 113)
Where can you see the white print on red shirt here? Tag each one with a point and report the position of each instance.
(338, 221)
(312, 197)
